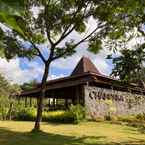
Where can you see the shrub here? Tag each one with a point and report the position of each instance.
(140, 117)
(98, 119)
(142, 128)
(110, 117)
(26, 114)
(58, 117)
(128, 119)
(75, 114)
(78, 113)
(107, 118)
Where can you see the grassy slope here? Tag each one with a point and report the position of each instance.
(88, 133)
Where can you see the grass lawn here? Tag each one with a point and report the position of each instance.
(87, 133)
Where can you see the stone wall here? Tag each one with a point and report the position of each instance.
(101, 102)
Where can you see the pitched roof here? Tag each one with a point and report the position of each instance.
(85, 65)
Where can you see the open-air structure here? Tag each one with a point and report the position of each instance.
(100, 94)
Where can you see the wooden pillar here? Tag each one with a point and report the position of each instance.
(54, 103)
(18, 100)
(66, 103)
(48, 102)
(25, 101)
(30, 102)
(77, 96)
(82, 95)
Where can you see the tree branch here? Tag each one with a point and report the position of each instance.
(47, 25)
(141, 31)
(89, 35)
(39, 52)
(65, 33)
(81, 41)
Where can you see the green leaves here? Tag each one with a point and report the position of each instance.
(95, 45)
(129, 66)
(11, 22)
(8, 12)
(38, 38)
(79, 23)
(67, 50)
(57, 19)
(9, 7)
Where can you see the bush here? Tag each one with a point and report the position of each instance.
(128, 119)
(107, 118)
(26, 114)
(75, 114)
(58, 117)
(78, 113)
(142, 128)
(98, 119)
(141, 117)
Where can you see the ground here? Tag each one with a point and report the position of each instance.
(87, 133)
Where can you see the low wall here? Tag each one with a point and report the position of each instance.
(100, 102)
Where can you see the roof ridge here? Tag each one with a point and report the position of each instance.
(85, 65)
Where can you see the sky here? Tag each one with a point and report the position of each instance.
(21, 70)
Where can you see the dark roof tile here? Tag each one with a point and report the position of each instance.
(85, 65)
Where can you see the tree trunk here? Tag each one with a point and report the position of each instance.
(9, 114)
(41, 98)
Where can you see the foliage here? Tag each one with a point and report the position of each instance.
(58, 19)
(140, 117)
(78, 113)
(9, 10)
(58, 117)
(6, 101)
(26, 114)
(129, 66)
(28, 86)
(74, 115)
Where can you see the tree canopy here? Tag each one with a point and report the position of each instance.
(59, 18)
(51, 23)
(129, 67)
(7, 89)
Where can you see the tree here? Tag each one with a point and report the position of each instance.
(129, 66)
(10, 9)
(6, 101)
(56, 20)
(29, 85)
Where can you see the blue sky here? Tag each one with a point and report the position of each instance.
(20, 70)
(63, 67)
(54, 70)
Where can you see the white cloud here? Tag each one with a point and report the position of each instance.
(13, 73)
(52, 77)
(98, 59)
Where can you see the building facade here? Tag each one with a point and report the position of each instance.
(101, 95)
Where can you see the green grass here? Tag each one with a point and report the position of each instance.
(87, 133)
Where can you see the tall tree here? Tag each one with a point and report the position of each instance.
(129, 67)
(29, 85)
(58, 19)
(6, 102)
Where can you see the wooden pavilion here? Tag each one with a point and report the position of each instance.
(72, 88)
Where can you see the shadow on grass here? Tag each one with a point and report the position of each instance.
(8, 137)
